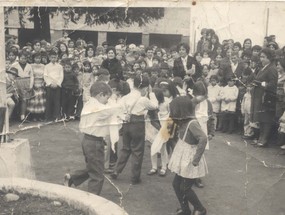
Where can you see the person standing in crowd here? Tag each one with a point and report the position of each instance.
(264, 96)
(12, 97)
(149, 56)
(187, 160)
(112, 64)
(69, 90)
(36, 105)
(214, 91)
(184, 66)
(53, 77)
(135, 105)
(200, 43)
(24, 81)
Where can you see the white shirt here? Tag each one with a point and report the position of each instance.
(53, 74)
(96, 118)
(234, 66)
(214, 97)
(134, 103)
(184, 62)
(23, 73)
(230, 93)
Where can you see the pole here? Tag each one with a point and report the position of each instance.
(3, 98)
(267, 22)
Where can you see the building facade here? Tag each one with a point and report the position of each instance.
(173, 28)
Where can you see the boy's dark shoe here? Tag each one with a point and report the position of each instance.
(203, 212)
(114, 175)
(136, 181)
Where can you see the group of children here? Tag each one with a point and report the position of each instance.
(51, 82)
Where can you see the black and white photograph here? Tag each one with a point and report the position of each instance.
(142, 108)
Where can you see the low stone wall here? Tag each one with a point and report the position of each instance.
(87, 202)
(15, 159)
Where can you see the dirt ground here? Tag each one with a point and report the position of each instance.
(242, 179)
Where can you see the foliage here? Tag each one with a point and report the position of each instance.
(94, 15)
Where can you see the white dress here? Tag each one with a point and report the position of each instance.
(182, 157)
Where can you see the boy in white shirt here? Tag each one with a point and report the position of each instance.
(94, 124)
(135, 104)
(53, 77)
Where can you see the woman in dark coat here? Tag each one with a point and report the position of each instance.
(112, 64)
(264, 96)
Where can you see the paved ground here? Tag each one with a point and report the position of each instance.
(243, 180)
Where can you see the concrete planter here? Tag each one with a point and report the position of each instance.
(87, 202)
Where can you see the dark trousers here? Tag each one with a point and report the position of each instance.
(93, 151)
(79, 105)
(184, 193)
(133, 144)
(265, 132)
(52, 103)
(68, 101)
(228, 121)
(114, 155)
(281, 139)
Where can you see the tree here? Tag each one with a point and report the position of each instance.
(93, 16)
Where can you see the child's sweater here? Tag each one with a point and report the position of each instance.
(214, 97)
(229, 97)
(70, 81)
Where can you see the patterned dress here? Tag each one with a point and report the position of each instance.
(182, 157)
(36, 104)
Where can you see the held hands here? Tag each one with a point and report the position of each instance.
(191, 71)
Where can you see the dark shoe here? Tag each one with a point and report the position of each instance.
(152, 172)
(108, 171)
(247, 137)
(136, 181)
(198, 183)
(203, 212)
(181, 212)
(114, 175)
(262, 145)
